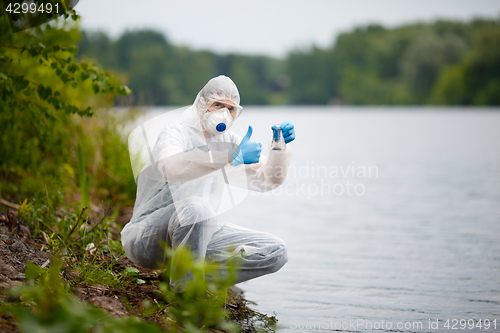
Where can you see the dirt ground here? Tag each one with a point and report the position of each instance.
(17, 247)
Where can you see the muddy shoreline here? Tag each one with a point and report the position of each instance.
(17, 247)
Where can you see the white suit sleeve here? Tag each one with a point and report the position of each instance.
(269, 173)
(184, 166)
(177, 164)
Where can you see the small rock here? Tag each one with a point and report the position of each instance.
(71, 274)
(18, 247)
(23, 232)
(112, 305)
(9, 271)
(11, 220)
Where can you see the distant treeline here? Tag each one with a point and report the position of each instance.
(443, 63)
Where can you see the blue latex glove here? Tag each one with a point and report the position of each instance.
(248, 153)
(288, 131)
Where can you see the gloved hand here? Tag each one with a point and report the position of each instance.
(288, 131)
(248, 153)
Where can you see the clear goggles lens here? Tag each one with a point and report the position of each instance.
(236, 108)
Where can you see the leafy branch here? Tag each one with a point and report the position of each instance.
(69, 71)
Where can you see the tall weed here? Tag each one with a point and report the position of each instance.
(196, 291)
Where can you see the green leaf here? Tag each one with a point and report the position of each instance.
(65, 77)
(125, 90)
(8, 85)
(69, 109)
(32, 271)
(130, 271)
(44, 92)
(54, 101)
(89, 112)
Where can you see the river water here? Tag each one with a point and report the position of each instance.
(391, 217)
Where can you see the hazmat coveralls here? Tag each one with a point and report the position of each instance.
(180, 190)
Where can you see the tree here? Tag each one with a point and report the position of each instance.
(311, 76)
(42, 89)
(476, 79)
(426, 57)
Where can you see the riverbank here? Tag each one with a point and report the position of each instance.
(138, 295)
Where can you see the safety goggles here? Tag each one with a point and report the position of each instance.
(236, 108)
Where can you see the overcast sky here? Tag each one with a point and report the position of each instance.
(270, 27)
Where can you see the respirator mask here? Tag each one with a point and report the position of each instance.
(217, 122)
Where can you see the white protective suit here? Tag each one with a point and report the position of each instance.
(179, 193)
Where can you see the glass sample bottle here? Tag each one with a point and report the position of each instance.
(278, 142)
